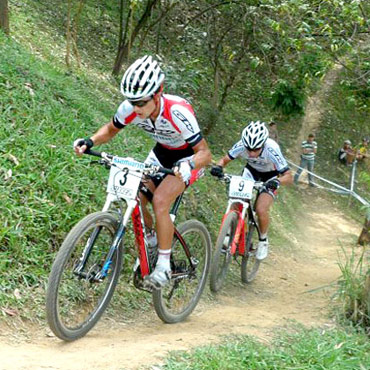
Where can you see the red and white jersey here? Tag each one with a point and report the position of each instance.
(175, 127)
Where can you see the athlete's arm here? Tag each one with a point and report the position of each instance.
(105, 133)
(202, 155)
(286, 178)
(224, 161)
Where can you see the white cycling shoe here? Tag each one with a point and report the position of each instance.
(262, 250)
(158, 278)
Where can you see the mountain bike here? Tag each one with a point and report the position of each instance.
(239, 232)
(88, 265)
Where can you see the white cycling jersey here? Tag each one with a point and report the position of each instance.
(270, 159)
(175, 128)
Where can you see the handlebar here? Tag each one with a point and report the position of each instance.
(107, 159)
(225, 177)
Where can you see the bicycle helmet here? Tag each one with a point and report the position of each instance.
(142, 79)
(255, 135)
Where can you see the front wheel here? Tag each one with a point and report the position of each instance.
(190, 260)
(222, 257)
(78, 293)
(250, 264)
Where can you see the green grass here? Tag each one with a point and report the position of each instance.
(294, 347)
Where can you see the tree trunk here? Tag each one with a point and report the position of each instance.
(4, 16)
(75, 32)
(68, 34)
(126, 45)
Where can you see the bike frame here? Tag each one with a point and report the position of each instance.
(244, 208)
(134, 210)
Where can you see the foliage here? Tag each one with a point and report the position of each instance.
(296, 348)
(354, 288)
(288, 98)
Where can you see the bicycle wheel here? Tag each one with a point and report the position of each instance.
(250, 264)
(222, 257)
(75, 300)
(175, 301)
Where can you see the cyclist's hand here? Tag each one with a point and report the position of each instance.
(183, 171)
(80, 145)
(217, 171)
(272, 184)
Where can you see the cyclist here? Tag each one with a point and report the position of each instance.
(171, 122)
(264, 163)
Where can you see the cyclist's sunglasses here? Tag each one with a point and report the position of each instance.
(140, 103)
(253, 150)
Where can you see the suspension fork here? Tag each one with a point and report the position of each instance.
(114, 246)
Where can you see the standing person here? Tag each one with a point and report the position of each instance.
(171, 122)
(309, 149)
(264, 163)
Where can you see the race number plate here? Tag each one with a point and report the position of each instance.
(124, 177)
(240, 188)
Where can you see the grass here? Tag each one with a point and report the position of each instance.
(295, 347)
(354, 288)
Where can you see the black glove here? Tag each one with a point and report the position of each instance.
(217, 171)
(272, 184)
(80, 142)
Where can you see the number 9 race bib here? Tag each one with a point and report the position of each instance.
(241, 187)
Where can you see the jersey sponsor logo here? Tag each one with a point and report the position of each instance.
(184, 120)
(276, 155)
(152, 130)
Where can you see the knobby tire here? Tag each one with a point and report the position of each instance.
(250, 264)
(222, 256)
(174, 302)
(74, 306)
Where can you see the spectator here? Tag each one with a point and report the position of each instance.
(363, 149)
(273, 133)
(346, 154)
(309, 149)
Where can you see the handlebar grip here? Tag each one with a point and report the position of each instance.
(166, 171)
(92, 152)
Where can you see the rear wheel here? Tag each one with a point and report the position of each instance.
(222, 257)
(189, 265)
(250, 264)
(78, 295)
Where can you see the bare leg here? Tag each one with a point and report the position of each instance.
(263, 205)
(163, 198)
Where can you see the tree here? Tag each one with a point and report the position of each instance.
(4, 16)
(131, 30)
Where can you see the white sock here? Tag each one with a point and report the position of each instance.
(263, 237)
(164, 259)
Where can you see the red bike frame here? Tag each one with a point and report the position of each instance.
(239, 237)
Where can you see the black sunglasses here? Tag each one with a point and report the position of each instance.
(253, 150)
(139, 103)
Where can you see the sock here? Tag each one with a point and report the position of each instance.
(164, 259)
(263, 237)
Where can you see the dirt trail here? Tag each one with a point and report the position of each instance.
(286, 289)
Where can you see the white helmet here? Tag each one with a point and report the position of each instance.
(142, 79)
(255, 135)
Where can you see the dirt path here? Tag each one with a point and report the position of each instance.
(286, 289)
